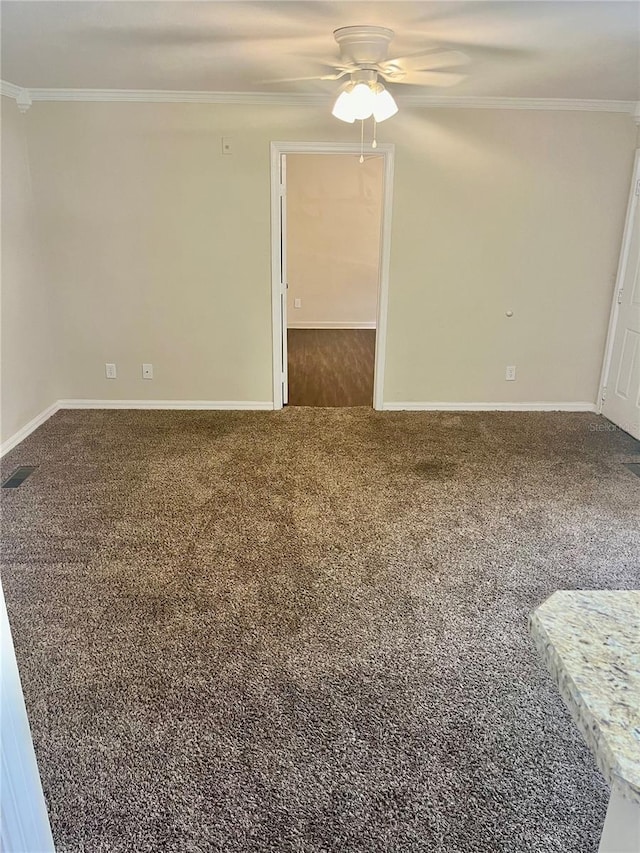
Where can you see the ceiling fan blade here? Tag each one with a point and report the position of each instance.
(325, 62)
(429, 78)
(185, 37)
(430, 60)
(300, 79)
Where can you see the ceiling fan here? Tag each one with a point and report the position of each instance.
(363, 56)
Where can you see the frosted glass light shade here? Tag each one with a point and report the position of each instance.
(342, 108)
(384, 106)
(362, 100)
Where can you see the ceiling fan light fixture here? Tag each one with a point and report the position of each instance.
(360, 99)
(384, 105)
(343, 108)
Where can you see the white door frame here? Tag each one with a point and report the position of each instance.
(387, 152)
(633, 206)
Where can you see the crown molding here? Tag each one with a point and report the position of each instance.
(21, 96)
(10, 90)
(296, 99)
(499, 103)
(157, 96)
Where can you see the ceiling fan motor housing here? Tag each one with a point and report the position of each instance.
(364, 45)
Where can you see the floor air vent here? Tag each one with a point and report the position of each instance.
(19, 476)
(634, 467)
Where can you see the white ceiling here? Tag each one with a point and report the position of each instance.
(520, 49)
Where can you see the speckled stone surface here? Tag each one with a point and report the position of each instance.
(591, 643)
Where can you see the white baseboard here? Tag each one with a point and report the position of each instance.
(33, 424)
(327, 324)
(27, 429)
(165, 404)
(489, 407)
(264, 405)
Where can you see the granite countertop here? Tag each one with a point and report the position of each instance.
(590, 642)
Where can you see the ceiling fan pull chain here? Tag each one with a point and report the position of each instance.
(374, 144)
(362, 140)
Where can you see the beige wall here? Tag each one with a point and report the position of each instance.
(158, 247)
(27, 357)
(520, 211)
(334, 210)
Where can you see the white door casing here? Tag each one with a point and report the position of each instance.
(284, 282)
(620, 391)
(279, 150)
(24, 823)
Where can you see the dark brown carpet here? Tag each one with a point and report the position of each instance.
(331, 367)
(306, 630)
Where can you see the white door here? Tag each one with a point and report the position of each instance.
(622, 384)
(283, 276)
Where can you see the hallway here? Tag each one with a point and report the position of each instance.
(331, 367)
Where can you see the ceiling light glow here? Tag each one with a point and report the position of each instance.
(362, 101)
(342, 108)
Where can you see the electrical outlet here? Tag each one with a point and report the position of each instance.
(227, 145)
(110, 371)
(297, 303)
(147, 371)
(510, 373)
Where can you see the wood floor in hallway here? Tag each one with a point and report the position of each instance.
(331, 367)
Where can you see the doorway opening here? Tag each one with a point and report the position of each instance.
(331, 222)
